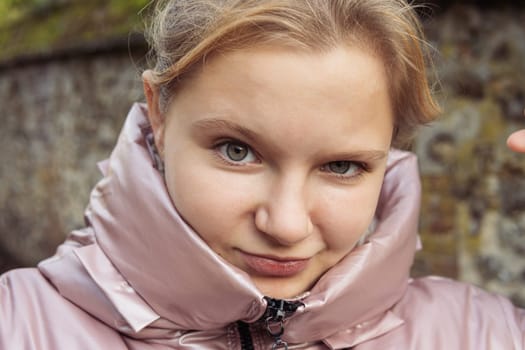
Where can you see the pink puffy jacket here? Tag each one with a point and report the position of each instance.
(139, 278)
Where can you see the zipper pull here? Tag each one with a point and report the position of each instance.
(277, 310)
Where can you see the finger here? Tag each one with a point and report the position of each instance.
(516, 141)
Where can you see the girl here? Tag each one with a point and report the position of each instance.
(257, 201)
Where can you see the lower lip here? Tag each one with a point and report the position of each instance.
(274, 268)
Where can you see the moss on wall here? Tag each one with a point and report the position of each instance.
(40, 27)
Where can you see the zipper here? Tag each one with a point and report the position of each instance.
(277, 311)
(245, 336)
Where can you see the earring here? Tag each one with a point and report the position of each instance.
(158, 163)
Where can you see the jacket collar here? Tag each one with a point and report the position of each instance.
(146, 265)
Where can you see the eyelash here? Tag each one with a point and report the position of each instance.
(363, 167)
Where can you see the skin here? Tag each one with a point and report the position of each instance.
(309, 134)
(516, 141)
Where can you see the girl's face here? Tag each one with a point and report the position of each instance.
(276, 158)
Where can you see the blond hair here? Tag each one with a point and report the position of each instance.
(183, 33)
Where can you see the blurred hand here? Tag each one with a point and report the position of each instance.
(516, 141)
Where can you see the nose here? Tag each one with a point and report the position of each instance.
(284, 215)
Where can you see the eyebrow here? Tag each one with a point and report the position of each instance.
(214, 124)
(222, 124)
(364, 155)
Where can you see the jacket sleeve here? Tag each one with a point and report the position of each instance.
(515, 318)
(8, 321)
(441, 313)
(22, 323)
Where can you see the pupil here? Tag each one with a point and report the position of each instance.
(339, 167)
(236, 152)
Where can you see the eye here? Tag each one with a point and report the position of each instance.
(340, 166)
(236, 152)
(344, 168)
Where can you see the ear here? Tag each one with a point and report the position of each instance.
(156, 118)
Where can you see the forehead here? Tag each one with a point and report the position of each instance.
(351, 69)
(272, 87)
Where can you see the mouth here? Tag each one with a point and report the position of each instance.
(272, 266)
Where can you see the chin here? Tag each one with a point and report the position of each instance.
(281, 288)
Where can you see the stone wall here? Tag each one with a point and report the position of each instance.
(473, 217)
(62, 115)
(59, 118)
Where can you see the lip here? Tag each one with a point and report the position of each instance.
(272, 266)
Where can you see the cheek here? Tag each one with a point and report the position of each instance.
(211, 202)
(346, 216)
